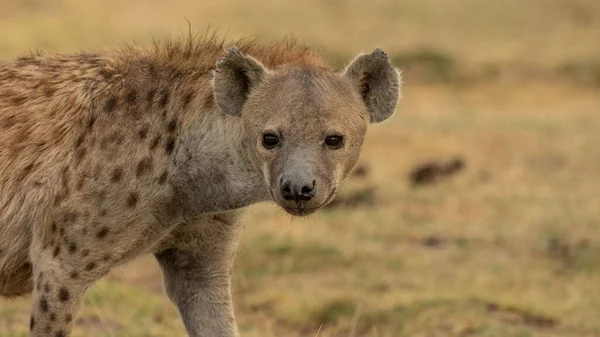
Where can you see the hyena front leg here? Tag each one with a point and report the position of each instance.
(64, 265)
(197, 272)
(56, 296)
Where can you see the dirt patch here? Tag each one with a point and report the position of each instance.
(428, 65)
(514, 315)
(435, 170)
(361, 170)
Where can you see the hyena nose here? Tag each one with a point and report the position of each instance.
(298, 189)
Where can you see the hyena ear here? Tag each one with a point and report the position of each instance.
(378, 83)
(235, 76)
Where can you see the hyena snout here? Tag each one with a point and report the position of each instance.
(298, 186)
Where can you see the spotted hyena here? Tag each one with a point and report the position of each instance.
(107, 156)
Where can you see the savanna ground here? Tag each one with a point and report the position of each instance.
(509, 246)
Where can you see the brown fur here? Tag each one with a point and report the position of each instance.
(46, 113)
(106, 156)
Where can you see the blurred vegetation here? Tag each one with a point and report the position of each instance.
(434, 40)
(507, 246)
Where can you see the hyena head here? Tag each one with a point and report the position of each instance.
(304, 125)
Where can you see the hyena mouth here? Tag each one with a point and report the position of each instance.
(301, 210)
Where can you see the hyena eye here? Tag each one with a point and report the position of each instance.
(270, 140)
(335, 141)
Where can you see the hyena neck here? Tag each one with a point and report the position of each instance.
(213, 170)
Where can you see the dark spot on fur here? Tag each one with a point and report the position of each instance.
(79, 140)
(106, 258)
(44, 304)
(220, 218)
(63, 294)
(74, 275)
(172, 126)
(132, 200)
(17, 100)
(56, 251)
(91, 122)
(102, 233)
(85, 252)
(187, 99)
(26, 172)
(170, 145)
(209, 102)
(155, 142)
(144, 166)
(72, 247)
(61, 231)
(163, 178)
(131, 96)
(53, 317)
(143, 133)
(9, 122)
(47, 288)
(111, 104)
(57, 199)
(102, 212)
(116, 175)
(31, 323)
(40, 145)
(80, 183)
(60, 333)
(69, 218)
(68, 318)
(101, 196)
(152, 70)
(53, 227)
(80, 153)
(90, 266)
(49, 91)
(164, 98)
(106, 73)
(150, 96)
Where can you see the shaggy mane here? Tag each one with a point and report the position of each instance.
(203, 51)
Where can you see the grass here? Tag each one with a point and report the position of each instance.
(508, 247)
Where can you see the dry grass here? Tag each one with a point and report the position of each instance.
(508, 247)
(483, 37)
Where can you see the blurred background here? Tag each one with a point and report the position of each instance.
(474, 211)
